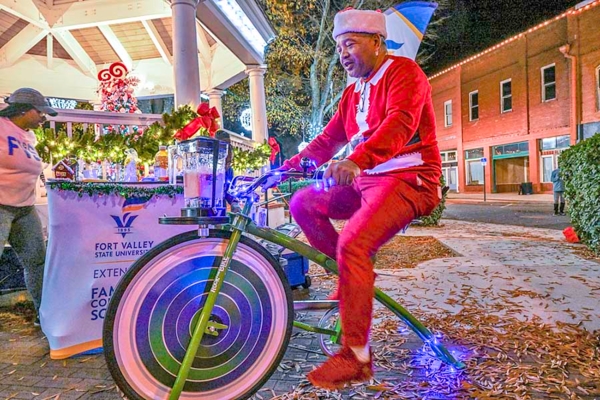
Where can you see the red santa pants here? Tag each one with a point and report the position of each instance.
(376, 207)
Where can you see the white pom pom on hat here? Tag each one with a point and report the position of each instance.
(359, 21)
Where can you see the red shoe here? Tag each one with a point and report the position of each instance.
(341, 369)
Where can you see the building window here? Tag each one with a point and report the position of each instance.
(555, 143)
(448, 113)
(474, 105)
(547, 167)
(598, 88)
(551, 149)
(548, 83)
(511, 149)
(474, 167)
(506, 96)
(448, 156)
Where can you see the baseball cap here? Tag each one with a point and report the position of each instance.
(32, 97)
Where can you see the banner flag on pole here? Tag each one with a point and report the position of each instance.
(406, 24)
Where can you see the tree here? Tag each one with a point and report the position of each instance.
(305, 80)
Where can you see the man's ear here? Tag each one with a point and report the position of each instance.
(377, 41)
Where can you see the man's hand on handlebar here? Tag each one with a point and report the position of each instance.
(340, 173)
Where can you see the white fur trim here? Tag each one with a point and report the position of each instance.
(400, 162)
(361, 114)
(359, 21)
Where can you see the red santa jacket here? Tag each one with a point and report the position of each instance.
(388, 120)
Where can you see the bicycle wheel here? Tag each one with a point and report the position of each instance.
(154, 309)
(329, 320)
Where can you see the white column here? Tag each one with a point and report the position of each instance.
(258, 102)
(214, 100)
(185, 53)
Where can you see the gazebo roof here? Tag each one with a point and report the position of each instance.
(58, 46)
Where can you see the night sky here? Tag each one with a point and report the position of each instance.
(473, 26)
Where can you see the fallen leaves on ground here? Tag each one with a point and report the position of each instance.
(586, 253)
(408, 252)
(17, 316)
(506, 357)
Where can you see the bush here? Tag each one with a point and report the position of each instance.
(580, 171)
(433, 219)
(296, 185)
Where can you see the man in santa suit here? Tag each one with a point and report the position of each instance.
(390, 178)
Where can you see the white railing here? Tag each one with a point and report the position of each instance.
(87, 118)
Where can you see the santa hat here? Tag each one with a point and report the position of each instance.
(359, 21)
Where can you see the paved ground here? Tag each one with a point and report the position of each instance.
(500, 197)
(503, 272)
(533, 215)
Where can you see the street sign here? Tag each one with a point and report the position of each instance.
(484, 161)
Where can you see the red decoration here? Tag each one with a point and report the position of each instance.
(207, 119)
(571, 235)
(116, 70)
(116, 89)
(275, 149)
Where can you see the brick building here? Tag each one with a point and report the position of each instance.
(520, 103)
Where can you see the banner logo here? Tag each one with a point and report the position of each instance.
(124, 223)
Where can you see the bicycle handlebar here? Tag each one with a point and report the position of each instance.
(244, 191)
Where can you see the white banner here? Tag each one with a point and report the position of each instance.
(406, 24)
(92, 242)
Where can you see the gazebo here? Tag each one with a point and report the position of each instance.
(185, 48)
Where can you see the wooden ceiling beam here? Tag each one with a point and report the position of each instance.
(204, 49)
(117, 46)
(20, 44)
(86, 14)
(50, 50)
(26, 10)
(158, 41)
(77, 53)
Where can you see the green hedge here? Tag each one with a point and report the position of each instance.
(580, 171)
(296, 185)
(434, 218)
(431, 220)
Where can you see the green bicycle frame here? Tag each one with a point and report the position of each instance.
(314, 255)
(201, 325)
(240, 223)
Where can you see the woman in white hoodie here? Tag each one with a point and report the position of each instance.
(20, 167)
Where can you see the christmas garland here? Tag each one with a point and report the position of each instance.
(107, 189)
(55, 145)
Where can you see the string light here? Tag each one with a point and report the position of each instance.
(518, 36)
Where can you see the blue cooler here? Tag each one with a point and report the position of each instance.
(294, 265)
(296, 269)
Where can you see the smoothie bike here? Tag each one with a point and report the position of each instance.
(208, 314)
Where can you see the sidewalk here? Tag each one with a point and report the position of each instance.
(499, 197)
(518, 305)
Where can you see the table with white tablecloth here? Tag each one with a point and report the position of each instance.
(93, 240)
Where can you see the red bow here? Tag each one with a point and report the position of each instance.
(274, 149)
(207, 119)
